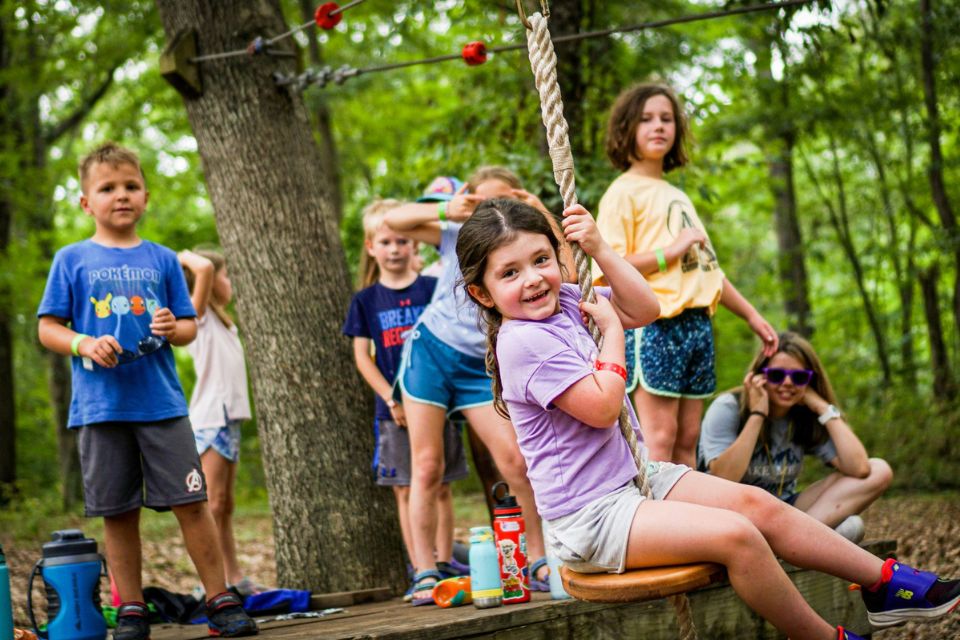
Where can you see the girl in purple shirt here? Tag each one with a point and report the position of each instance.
(563, 396)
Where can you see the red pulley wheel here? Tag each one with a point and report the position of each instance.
(324, 19)
(474, 53)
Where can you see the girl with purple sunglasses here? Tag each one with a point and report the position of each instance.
(760, 433)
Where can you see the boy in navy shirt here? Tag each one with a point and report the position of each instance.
(116, 303)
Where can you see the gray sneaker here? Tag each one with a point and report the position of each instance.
(852, 529)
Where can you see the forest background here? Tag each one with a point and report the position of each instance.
(824, 166)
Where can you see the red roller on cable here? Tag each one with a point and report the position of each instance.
(474, 53)
(323, 18)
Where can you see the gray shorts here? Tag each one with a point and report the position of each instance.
(128, 465)
(391, 460)
(594, 539)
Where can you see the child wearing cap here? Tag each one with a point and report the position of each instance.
(443, 371)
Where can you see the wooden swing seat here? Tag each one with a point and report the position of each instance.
(640, 584)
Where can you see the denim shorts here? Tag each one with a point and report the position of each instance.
(432, 372)
(594, 539)
(676, 356)
(224, 440)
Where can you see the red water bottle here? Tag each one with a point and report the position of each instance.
(510, 536)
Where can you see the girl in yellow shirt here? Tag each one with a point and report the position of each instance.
(655, 227)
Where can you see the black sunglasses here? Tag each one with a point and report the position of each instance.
(146, 346)
(777, 376)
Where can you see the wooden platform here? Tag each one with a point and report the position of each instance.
(718, 612)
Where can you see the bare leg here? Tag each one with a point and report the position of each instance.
(792, 534)
(425, 425)
(696, 533)
(688, 431)
(444, 541)
(221, 475)
(486, 468)
(658, 421)
(121, 535)
(402, 494)
(837, 496)
(200, 537)
(498, 434)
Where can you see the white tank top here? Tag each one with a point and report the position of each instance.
(221, 374)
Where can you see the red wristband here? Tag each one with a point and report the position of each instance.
(611, 366)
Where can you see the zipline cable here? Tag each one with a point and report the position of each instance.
(326, 75)
(326, 17)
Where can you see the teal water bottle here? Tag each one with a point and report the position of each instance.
(6, 607)
(485, 585)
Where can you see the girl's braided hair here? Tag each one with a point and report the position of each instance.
(495, 223)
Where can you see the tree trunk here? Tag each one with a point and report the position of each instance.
(280, 236)
(939, 364)
(71, 489)
(791, 264)
(329, 167)
(8, 407)
(935, 171)
(8, 422)
(840, 221)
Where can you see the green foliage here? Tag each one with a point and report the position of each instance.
(843, 79)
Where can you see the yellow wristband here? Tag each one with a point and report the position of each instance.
(75, 345)
(661, 260)
(442, 210)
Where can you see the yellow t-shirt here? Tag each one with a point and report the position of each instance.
(639, 214)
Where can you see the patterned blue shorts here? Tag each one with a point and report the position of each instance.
(676, 356)
(224, 440)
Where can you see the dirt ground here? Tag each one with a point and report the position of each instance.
(926, 528)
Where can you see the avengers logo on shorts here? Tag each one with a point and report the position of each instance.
(194, 481)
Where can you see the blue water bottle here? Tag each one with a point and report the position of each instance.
(71, 569)
(485, 587)
(6, 607)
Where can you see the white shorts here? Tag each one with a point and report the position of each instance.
(594, 539)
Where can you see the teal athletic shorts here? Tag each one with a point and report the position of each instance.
(433, 372)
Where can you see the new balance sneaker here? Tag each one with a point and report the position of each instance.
(132, 622)
(843, 634)
(226, 617)
(904, 593)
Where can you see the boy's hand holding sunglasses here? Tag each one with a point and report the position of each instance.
(103, 350)
(164, 323)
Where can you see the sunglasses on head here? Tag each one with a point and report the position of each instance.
(777, 376)
(146, 346)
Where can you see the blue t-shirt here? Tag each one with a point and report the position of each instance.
(385, 316)
(452, 316)
(112, 291)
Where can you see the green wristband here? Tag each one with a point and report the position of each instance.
(661, 260)
(75, 345)
(442, 210)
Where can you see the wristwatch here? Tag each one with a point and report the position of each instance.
(393, 403)
(828, 415)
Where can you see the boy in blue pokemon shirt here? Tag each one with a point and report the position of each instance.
(116, 303)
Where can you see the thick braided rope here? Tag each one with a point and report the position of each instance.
(543, 62)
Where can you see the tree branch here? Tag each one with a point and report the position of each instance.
(81, 112)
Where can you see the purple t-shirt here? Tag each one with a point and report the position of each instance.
(570, 464)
